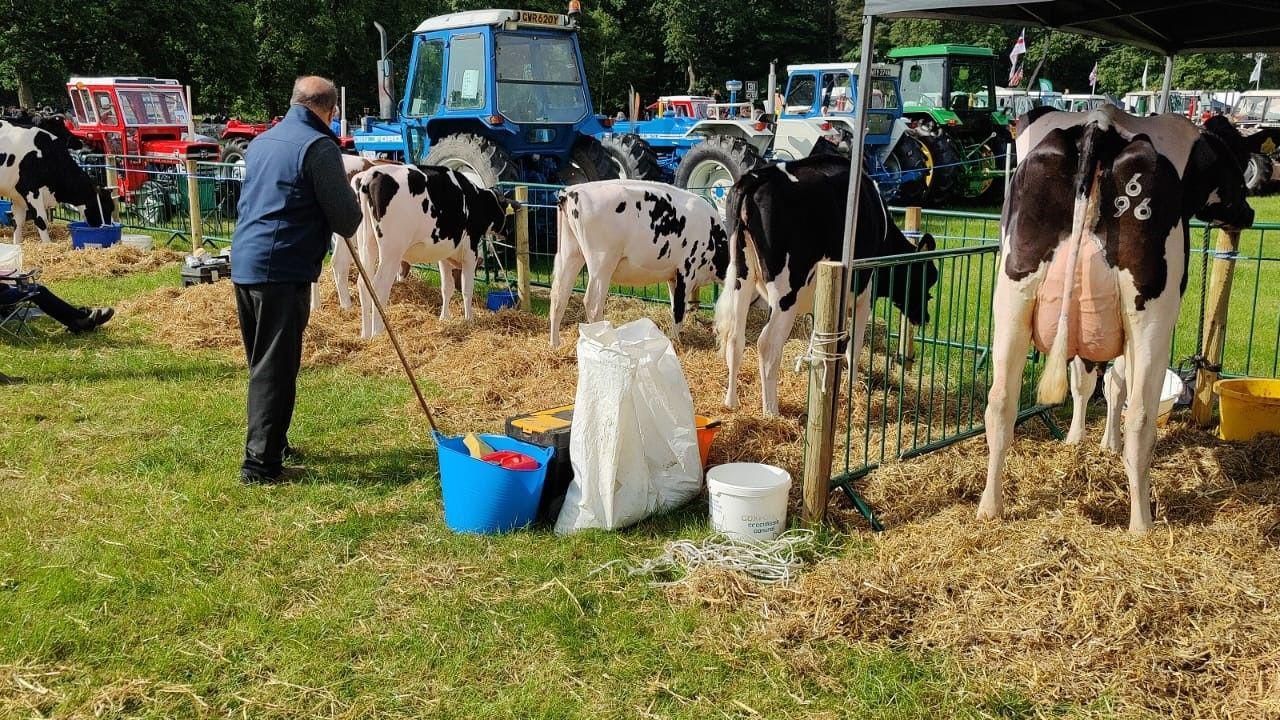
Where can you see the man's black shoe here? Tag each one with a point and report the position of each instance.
(288, 473)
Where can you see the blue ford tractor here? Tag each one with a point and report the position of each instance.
(706, 148)
(501, 95)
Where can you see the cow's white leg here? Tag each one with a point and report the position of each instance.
(340, 266)
(369, 252)
(41, 220)
(568, 263)
(1152, 335)
(772, 338)
(858, 333)
(468, 264)
(1011, 336)
(1114, 388)
(383, 278)
(735, 342)
(446, 288)
(19, 219)
(1082, 384)
(599, 276)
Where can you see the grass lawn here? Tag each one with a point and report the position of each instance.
(139, 578)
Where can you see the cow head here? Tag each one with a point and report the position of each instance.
(909, 283)
(503, 212)
(1215, 176)
(100, 209)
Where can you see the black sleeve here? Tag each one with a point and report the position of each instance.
(323, 166)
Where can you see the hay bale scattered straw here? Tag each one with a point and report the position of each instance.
(57, 260)
(1059, 601)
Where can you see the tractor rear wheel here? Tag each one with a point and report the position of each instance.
(483, 161)
(231, 174)
(908, 155)
(944, 167)
(588, 162)
(1257, 173)
(632, 156)
(711, 167)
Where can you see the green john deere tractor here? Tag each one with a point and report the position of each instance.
(949, 93)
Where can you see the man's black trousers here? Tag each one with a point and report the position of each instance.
(272, 319)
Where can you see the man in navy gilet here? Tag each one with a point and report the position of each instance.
(295, 197)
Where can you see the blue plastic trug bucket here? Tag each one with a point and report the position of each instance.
(6, 213)
(499, 299)
(83, 236)
(480, 497)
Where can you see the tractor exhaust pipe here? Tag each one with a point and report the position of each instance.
(386, 96)
(773, 88)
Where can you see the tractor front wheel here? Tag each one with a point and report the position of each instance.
(711, 167)
(588, 162)
(151, 203)
(632, 157)
(1257, 173)
(483, 161)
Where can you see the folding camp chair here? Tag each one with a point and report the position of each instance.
(16, 316)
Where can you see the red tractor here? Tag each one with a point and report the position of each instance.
(143, 123)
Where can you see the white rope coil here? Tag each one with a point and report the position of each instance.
(776, 561)
(823, 348)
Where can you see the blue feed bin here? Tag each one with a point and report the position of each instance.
(483, 498)
(499, 299)
(6, 213)
(83, 236)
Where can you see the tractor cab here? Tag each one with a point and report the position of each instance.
(143, 123)
(501, 95)
(820, 102)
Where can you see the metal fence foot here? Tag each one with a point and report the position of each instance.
(863, 508)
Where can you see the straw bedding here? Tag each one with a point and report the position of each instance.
(57, 260)
(1059, 601)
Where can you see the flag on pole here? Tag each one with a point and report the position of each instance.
(1015, 57)
(1144, 74)
(1256, 75)
(1093, 78)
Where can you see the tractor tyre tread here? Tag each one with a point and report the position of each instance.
(489, 159)
(633, 155)
(738, 155)
(588, 162)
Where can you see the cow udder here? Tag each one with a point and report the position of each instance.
(1094, 324)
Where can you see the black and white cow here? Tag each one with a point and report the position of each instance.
(36, 169)
(423, 215)
(1095, 236)
(635, 232)
(784, 220)
(55, 124)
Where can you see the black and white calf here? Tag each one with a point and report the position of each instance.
(1095, 236)
(783, 221)
(635, 233)
(36, 170)
(423, 215)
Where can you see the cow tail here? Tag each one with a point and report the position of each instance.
(365, 232)
(726, 305)
(1053, 385)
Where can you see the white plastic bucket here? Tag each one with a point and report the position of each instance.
(10, 258)
(748, 500)
(1169, 393)
(139, 242)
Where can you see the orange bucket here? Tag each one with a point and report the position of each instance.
(707, 431)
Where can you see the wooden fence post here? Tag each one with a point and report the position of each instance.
(1217, 299)
(820, 427)
(522, 248)
(906, 332)
(193, 206)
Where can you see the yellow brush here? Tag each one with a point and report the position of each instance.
(477, 447)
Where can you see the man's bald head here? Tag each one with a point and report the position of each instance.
(318, 94)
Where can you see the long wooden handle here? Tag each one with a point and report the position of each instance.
(391, 333)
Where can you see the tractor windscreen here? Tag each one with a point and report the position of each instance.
(538, 79)
(153, 107)
(971, 86)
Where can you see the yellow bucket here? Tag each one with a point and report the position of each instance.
(1250, 407)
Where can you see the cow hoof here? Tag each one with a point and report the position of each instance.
(1073, 438)
(1139, 527)
(1114, 446)
(989, 510)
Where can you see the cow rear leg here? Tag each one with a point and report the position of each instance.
(1011, 336)
(340, 266)
(599, 278)
(1083, 382)
(19, 219)
(772, 339)
(1145, 379)
(858, 333)
(734, 334)
(1115, 389)
(564, 277)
